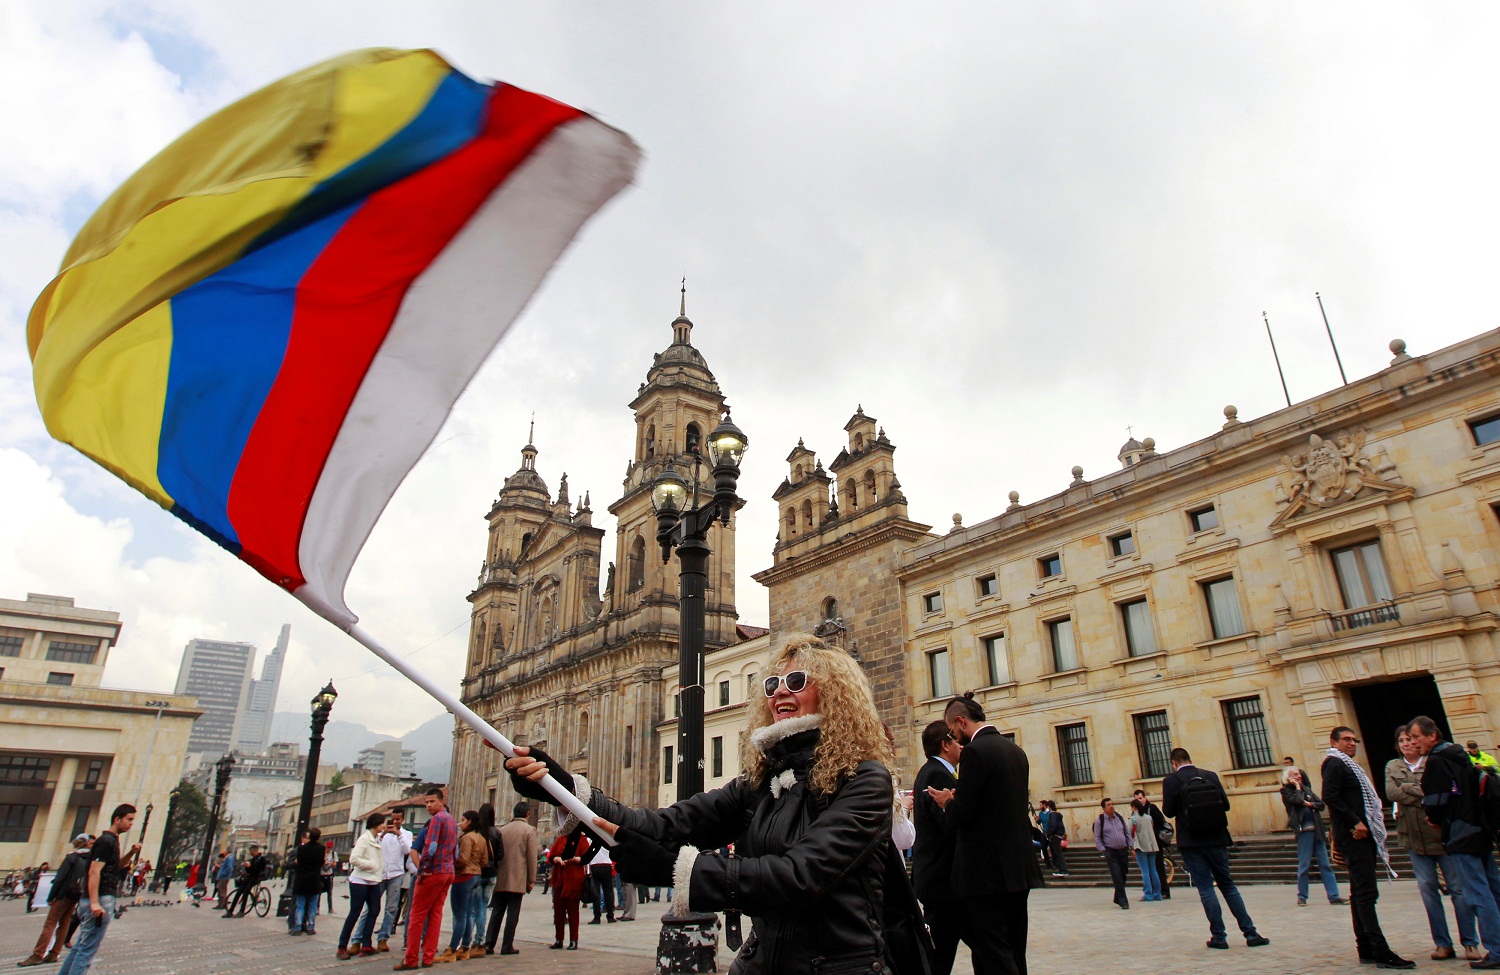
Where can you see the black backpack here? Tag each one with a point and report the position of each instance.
(1488, 802)
(1203, 809)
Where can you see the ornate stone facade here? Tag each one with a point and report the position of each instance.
(1331, 563)
(553, 660)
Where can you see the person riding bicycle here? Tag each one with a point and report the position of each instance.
(254, 872)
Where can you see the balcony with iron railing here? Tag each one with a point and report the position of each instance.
(1354, 619)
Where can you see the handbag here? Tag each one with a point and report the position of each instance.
(590, 894)
(908, 945)
(1165, 836)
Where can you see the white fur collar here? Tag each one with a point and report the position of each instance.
(764, 738)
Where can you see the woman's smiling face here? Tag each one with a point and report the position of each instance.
(787, 703)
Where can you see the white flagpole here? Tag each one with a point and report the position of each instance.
(456, 707)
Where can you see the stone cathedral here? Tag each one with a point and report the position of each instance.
(554, 660)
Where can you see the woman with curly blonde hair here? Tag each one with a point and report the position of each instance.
(810, 820)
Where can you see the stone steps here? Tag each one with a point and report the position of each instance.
(1256, 860)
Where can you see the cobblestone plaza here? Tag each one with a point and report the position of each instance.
(1076, 930)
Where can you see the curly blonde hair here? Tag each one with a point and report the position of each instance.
(852, 732)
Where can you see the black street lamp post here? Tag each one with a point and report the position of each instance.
(166, 837)
(322, 706)
(222, 769)
(689, 944)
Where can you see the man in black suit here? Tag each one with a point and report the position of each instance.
(932, 856)
(994, 864)
(1358, 821)
(1198, 801)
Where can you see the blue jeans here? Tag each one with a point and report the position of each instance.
(1310, 844)
(305, 911)
(461, 899)
(361, 896)
(481, 909)
(390, 895)
(1426, 868)
(89, 936)
(1150, 882)
(1479, 879)
(1207, 866)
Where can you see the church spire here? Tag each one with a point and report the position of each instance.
(682, 327)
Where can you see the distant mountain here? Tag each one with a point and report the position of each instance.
(344, 740)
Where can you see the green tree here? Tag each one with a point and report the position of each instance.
(189, 824)
(337, 782)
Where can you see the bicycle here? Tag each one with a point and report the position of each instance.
(258, 901)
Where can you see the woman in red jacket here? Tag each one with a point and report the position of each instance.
(568, 857)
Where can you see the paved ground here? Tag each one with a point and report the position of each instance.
(1071, 931)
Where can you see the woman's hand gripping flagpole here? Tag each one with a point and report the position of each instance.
(554, 788)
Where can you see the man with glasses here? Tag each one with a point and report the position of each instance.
(932, 855)
(1358, 821)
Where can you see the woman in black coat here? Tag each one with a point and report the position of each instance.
(307, 883)
(809, 818)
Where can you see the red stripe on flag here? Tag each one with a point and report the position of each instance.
(345, 306)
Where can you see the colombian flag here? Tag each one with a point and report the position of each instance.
(266, 325)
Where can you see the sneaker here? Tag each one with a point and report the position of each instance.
(1302, 902)
(1337, 901)
(382, 946)
(1218, 943)
(1257, 941)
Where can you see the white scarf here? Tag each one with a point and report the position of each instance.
(1374, 812)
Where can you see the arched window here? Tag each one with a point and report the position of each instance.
(797, 473)
(636, 568)
(546, 615)
(807, 515)
(692, 439)
(859, 442)
(791, 522)
(525, 542)
(869, 487)
(851, 496)
(583, 733)
(830, 608)
(648, 449)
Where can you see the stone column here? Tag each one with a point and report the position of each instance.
(62, 793)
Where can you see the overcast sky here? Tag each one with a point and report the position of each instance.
(1008, 230)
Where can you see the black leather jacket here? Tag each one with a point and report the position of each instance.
(808, 870)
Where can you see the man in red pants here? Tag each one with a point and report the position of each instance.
(434, 853)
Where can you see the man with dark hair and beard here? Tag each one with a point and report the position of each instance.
(932, 855)
(994, 865)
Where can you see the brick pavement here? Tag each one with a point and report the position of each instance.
(1071, 931)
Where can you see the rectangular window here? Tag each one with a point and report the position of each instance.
(723, 693)
(1361, 572)
(1204, 519)
(629, 744)
(988, 585)
(24, 769)
(1073, 750)
(1122, 544)
(938, 673)
(1485, 431)
(667, 768)
(718, 757)
(932, 603)
(1246, 726)
(72, 653)
(10, 646)
(1064, 652)
(65, 680)
(1140, 638)
(1153, 739)
(15, 823)
(1049, 566)
(1223, 608)
(996, 658)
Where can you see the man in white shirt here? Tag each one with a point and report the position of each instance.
(602, 869)
(395, 852)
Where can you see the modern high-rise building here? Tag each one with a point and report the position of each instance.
(218, 675)
(389, 758)
(255, 724)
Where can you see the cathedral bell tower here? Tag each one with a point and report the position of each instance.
(675, 409)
